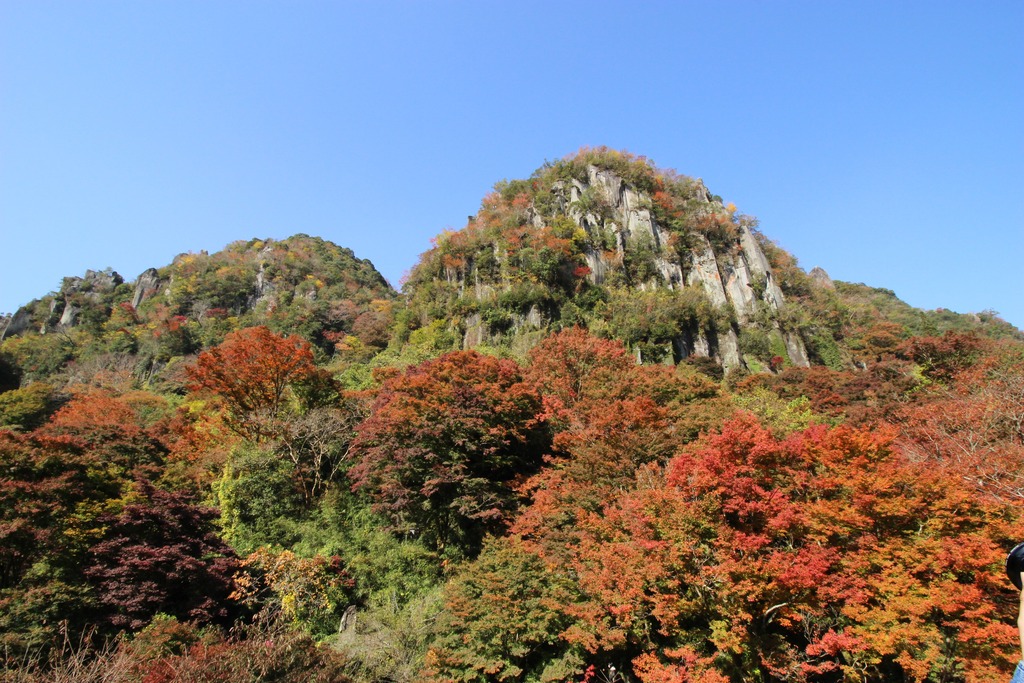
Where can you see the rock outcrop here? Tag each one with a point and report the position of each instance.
(739, 277)
(628, 217)
(17, 323)
(78, 294)
(63, 309)
(821, 278)
(147, 285)
(618, 222)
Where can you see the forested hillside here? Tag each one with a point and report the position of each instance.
(607, 432)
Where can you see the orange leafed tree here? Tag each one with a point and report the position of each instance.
(112, 430)
(252, 372)
(828, 555)
(970, 421)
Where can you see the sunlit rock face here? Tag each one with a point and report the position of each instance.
(617, 223)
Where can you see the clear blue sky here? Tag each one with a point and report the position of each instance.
(883, 141)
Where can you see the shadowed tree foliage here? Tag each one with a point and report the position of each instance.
(27, 407)
(162, 555)
(53, 491)
(444, 445)
(502, 620)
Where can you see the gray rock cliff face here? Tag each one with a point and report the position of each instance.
(739, 277)
(736, 279)
(17, 323)
(67, 318)
(821, 277)
(147, 285)
(79, 293)
(62, 309)
(265, 290)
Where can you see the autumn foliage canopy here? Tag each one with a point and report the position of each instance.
(550, 459)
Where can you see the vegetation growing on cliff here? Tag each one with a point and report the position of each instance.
(527, 259)
(273, 467)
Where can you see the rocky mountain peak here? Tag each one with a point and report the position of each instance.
(821, 277)
(603, 231)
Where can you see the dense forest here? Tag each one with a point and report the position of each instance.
(607, 432)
